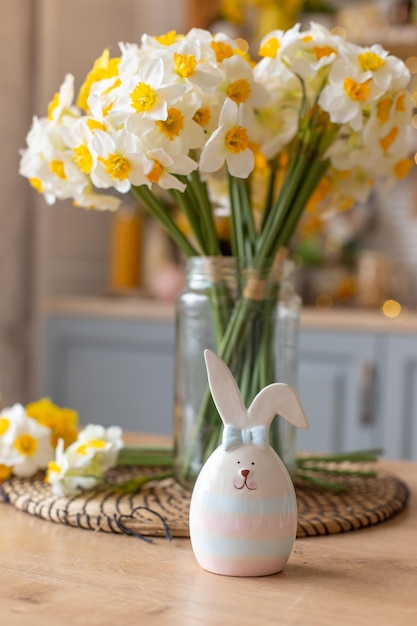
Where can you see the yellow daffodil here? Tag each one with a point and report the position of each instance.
(61, 421)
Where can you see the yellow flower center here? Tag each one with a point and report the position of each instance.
(383, 109)
(53, 467)
(156, 172)
(222, 50)
(167, 39)
(5, 472)
(36, 184)
(269, 48)
(370, 61)
(173, 125)
(307, 39)
(57, 168)
(239, 91)
(387, 141)
(96, 444)
(26, 444)
(4, 425)
(237, 139)
(94, 124)
(202, 116)
(83, 158)
(116, 166)
(402, 168)
(52, 106)
(357, 91)
(143, 98)
(185, 64)
(323, 51)
(400, 104)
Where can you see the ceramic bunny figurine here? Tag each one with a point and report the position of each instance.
(243, 511)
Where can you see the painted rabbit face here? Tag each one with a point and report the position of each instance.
(248, 471)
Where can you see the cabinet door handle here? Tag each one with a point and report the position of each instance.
(366, 394)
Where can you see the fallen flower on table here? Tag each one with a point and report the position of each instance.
(25, 445)
(85, 462)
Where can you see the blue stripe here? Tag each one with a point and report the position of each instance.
(229, 547)
(239, 505)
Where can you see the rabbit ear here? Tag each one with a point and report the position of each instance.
(224, 390)
(277, 399)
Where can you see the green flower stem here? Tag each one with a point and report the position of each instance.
(247, 215)
(206, 213)
(145, 455)
(299, 183)
(313, 176)
(189, 207)
(291, 203)
(292, 183)
(270, 194)
(338, 472)
(134, 485)
(321, 482)
(359, 455)
(238, 239)
(230, 350)
(161, 213)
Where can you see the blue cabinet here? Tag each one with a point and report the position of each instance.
(359, 389)
(399, 412)
(111, 371)
(338, 385)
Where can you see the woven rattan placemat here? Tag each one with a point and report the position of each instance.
(162, 507)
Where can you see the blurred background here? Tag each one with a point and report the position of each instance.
(358, 260)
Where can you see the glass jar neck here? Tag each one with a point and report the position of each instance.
(239, 274)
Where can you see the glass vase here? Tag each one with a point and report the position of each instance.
(249, 317)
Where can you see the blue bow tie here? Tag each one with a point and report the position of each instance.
(234, 437)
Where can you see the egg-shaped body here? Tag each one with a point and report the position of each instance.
(243, 512)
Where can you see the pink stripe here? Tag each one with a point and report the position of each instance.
(244, 526)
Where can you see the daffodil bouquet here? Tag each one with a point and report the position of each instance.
(193, 122)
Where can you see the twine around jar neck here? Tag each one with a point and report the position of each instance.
(257, 282)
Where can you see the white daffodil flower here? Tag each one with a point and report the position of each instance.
(146, 94)
(48, 162)
(177, 134)
(66, 479)
(311, 53)
(271, 47)
(99, 442)
(166, 166)
(230, 144)
(184, 64)
(239, 83)
(25, 445)
(84, 463)
(119, 161)
(376, 64)
(347, 94)
(63, 100)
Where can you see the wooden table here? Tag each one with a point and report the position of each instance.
(53, 575)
